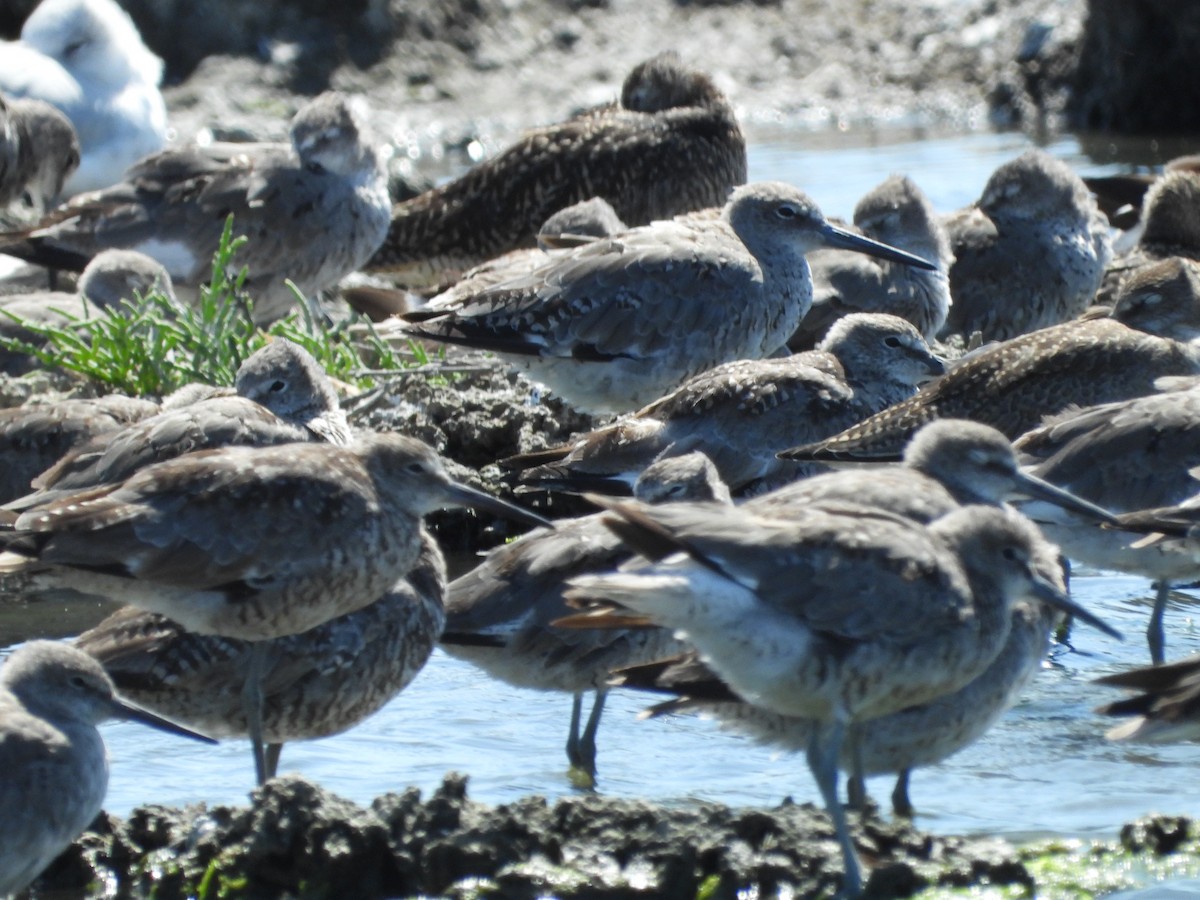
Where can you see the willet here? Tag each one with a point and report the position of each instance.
(248, 542)
(948, 463)
(1166, 704)
(86, 58)
(55, 765)
(33, 438)
(569, 227)
(1161, 298)
(848, 615)
(1170, 227)
(742, 413)
(896, 213)
(329, 187)
(620, 322)
(1125, 456)
(315, 684)
(1014, 384)
(671, 146)
(498, 615)
(1029, 254)
(283, 396)
(112, 276)
(38, 152)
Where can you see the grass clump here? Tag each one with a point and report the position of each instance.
(154, 345)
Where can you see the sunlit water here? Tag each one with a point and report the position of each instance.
(1045, 768)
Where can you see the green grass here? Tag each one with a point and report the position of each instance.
(151, 345)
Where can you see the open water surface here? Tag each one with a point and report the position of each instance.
(1045, 768)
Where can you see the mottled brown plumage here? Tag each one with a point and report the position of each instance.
(315, 684)
(33, 438)
(1161, 298)
(38, 153)
(671, 146)
(1014, 384)
(1166, 704)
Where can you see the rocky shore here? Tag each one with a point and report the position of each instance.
(462, 77)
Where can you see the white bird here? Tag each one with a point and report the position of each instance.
(86, 58)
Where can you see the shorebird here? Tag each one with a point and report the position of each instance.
(1161, 298)
(1121, 196)
(1014, 384)
(948, 463)
(112, 276)
(498, 615)
(849, 614)
(576, 224)
(1165, 705)
(315, 684)
(617, 323)
(1170, 227)
(33, 438)
(86, 58)
(329, 187)
(55, 766)
(672, 145)
(283, 396)
(1028, 254)
(38, 152)
(896, 213)
(742, 413)
(1133, 455)
(247, 542)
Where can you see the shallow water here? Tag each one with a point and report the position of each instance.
(1045, 768)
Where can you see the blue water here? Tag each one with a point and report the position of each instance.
(1046, 768)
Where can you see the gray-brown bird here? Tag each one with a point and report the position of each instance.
(38, 153)
(248, 542)
(672, 145)
(1028, 254)
(1012, 385)
(315, 684)
(52, 697)
(898, 213)
(313, 211)
(617, 323)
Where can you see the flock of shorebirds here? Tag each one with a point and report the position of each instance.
(281, 584)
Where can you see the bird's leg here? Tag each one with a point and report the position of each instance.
(272, 759)
(573, 734)
(856, 784)
(587, 743)
(1154, 631)
(901, 804)
(823, 749)
(252, 702)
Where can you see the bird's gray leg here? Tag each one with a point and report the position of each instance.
(272, 759)
(573, 735)
(252, 702)
(856, 784)
(823, 749)
(1154, 631)
(587, 743)
(901, 805)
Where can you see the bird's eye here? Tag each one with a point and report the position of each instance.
(416, 468)
(72, 48)
(77, 681)
(891, 341)
(786, 211)
(1011, 553)
(277, 386)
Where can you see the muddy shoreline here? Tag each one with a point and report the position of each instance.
(443, 79)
